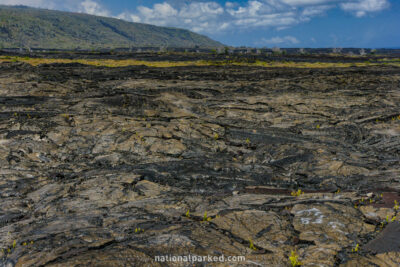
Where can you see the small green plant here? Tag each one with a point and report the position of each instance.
(297, 193)
(247, 141)
(294, 259)
(216, 136)
(138, 230)
(355, 249)
(252, 245)
(65, 116)
(187, 214)
(396, 205)
(206, 218)
(388, 219)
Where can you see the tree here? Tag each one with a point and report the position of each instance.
(226, 50)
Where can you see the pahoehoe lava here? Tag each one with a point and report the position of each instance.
(113, 166)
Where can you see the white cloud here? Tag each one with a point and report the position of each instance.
(211, 17)
(163, 13)
(311, 11)
(307, 2)
(159, 10)
(362, 7)
(93, 8)
(252, 9)
(129, 17)
(197, 10)
(197, 16)
(280, 40)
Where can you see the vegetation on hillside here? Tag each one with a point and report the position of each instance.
(24, 27)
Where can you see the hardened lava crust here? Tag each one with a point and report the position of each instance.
(108, 166)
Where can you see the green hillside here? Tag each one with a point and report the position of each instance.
(39, 28)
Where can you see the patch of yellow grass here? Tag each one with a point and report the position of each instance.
(102, 62)
(165, 64)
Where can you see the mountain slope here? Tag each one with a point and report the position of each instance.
(39, 28)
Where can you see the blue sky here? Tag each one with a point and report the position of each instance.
(260, 23)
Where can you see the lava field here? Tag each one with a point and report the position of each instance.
(115, 166)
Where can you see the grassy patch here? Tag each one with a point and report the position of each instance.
(103, 62)
(165, 64)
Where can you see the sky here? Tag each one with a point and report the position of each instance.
(257, 23)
